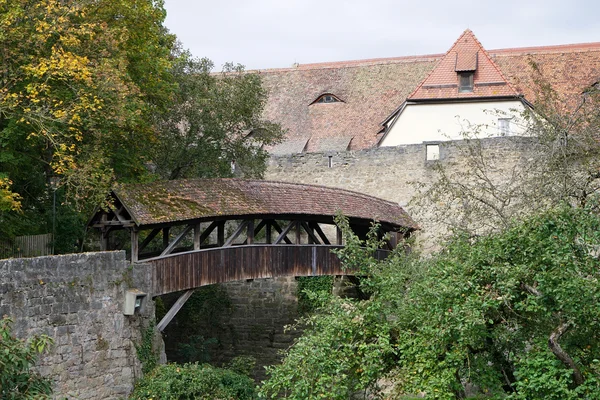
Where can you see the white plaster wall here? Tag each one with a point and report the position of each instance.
(439, 122)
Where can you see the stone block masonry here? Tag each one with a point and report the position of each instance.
(77, 300)
(393, 173)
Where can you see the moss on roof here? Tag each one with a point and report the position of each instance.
(182, 200)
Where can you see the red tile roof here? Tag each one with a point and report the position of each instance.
(466, 52)
(192, 199)
(373, 89)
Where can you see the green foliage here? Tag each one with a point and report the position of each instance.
(242, 365)
(192, 333)
(214, 120)
(17, 380)
(311, 289)
(194, 381)
(145, 350)
(483, 311)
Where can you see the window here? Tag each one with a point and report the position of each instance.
(465, 82)
(327, 98)
(432, 152)
(504, 126)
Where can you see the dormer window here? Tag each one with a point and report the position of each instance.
(327, 98)
(465, 82)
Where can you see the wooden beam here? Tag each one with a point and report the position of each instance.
(208, 231)
(283, 233)
(236, 233)
(339, 236)
(149, 238)
(298, 232)
(278, 229)
(260, 225)
(174, 310)
(175, 242)
(268, 233)
(250, 232)
(311, 235)
(197, 242)
(320, 232)
(134, 246)
(221, 233)
(165, 236)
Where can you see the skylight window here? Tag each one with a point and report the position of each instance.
(327, 98)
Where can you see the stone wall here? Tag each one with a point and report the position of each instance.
(247, 318)
(391, 173)
(77, 300)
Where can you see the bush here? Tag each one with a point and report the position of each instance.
(17, 380)
(194, 381)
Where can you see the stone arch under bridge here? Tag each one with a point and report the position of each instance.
(200, 232)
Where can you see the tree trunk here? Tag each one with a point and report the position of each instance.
(562, 355)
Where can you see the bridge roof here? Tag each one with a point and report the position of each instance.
(168, 202)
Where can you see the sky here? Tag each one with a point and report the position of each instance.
(262, 34)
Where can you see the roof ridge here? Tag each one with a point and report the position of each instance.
(586, 46)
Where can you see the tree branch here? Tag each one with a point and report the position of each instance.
(561, 354)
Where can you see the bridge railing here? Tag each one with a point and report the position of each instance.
(188, 270)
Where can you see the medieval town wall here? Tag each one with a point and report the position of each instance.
(394, 173)
(77, 300)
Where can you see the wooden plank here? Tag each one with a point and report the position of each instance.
(174, 310)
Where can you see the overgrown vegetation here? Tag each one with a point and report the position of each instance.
(17, 380)
(311, 291)
(194, 381)
(146, 352)
(509, 315)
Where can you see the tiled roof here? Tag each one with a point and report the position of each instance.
(467, 54)
(373, 89)
(183, 200)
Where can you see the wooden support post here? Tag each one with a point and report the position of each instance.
(197, 230)
(250, 232)
(104, 239)
(165, 235)
(298, 232)
(221, 233)
(174, 310)
(268, 233)
(134, 245)
(339, 237)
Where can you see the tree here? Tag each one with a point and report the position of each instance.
(77, 89)
(17, 380)
(510, 315)
(214, 125)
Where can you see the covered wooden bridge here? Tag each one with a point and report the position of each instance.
(204, 231)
